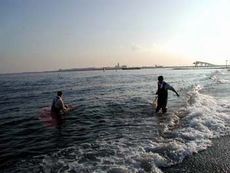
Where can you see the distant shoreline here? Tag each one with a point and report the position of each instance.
(144, 67)
(126, 68)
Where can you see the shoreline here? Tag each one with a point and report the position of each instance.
(214, 159)
(115, 69)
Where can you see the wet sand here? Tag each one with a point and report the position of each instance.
(216, 159)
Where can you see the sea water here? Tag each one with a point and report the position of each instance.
(115, 128)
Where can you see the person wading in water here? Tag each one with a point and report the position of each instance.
(58, 107)
(162, 93)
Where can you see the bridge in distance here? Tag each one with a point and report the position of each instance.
(202, 64)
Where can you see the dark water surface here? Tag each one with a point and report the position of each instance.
(114, 127)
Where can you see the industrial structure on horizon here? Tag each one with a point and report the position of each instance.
(202, 64)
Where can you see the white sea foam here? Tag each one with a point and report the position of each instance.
(202, 121)
(217, 75)
(218, 80)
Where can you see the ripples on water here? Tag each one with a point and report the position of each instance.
(114, 127)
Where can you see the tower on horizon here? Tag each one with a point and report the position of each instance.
(117, 66)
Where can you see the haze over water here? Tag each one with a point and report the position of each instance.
(114, 127)
(43, 36)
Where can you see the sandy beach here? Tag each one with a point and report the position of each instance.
(215, 159)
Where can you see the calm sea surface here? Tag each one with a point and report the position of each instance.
(114, 128)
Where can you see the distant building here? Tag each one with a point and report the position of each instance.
(117, 66)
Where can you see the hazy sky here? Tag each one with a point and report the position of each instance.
(37, 35)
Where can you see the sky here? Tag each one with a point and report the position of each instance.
(41, 35)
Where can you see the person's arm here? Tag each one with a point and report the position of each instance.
(175, 92)
(67, 107)
(169, 87)
(62, 106)
(157, 89)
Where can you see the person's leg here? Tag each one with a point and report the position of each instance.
(164, 109)
(159, 105)
(164, 106)
(158, 108)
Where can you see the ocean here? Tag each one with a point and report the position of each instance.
(114, 128)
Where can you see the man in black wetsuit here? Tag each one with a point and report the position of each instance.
(162, 93)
